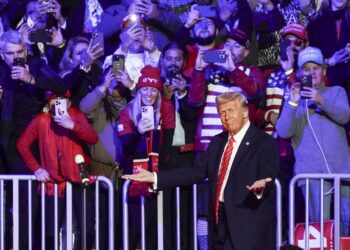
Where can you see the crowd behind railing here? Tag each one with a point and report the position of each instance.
(106, 88)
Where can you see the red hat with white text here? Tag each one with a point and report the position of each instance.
(150, 77)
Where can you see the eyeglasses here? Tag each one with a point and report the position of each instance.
(297, 42)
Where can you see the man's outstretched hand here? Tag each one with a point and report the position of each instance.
(142, 176)
(258, 187)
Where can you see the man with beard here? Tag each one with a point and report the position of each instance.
(212, 79)
(182, 151)
(202, 31)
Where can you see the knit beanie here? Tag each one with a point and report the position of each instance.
(150, 77)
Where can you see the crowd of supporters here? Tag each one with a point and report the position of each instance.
(130, 84)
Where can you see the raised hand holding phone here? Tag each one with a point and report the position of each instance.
(147, 119)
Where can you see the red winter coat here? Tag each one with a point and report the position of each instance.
(58, 147)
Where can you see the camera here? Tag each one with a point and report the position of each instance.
(172, 74)
(60, 107)
(305, 81)
(118, 63)
(97, 38)
(40, 35)
(214, 56)
(19, 61)
(284, 44)
(147, 112)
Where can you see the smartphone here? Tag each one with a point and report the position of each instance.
(97, 38)
(19, 61)
(147, 112)
(305, 81)
(118, 62)
(284, 44)
(206, 10)
(60, 107)
(171, 74)
(40, 35)
(214, 56)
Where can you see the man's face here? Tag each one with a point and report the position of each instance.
(204, 31)
(233, 116)
(317, 72)
(238, 51)
(149, 95)
(11, 51)
(173, 60)
(295, 43)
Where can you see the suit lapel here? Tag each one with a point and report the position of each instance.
(243, 147)
(218, 155)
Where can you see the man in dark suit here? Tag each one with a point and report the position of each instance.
(241, 165)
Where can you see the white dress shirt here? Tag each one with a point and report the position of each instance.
(238, 139)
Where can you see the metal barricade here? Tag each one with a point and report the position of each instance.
(16, 179)
(336, 178)
(178, 232)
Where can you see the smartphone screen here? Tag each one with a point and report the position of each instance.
(118, 63)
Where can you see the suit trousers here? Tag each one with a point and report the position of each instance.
(222, 239)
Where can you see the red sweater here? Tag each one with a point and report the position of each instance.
(58, 147)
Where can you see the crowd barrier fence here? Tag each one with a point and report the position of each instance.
(15, 180)
(336, 178)
(178, 233)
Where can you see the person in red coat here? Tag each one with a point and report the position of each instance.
(146, 130)
(61, 136)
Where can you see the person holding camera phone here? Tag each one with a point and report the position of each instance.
(313, 118)
(137, 46)
(103, 106)
(211, 79)
(23, 97)
(294, 39)
(182, 152)
(141, 125)
(61, 131)
(79, 67)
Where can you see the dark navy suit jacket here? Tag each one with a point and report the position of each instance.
(251, 222)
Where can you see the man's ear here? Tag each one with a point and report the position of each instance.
(246, 114)
(246, 52)
(2, 54)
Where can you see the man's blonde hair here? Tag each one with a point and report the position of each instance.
(231, 96)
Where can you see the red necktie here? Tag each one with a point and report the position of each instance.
(222, 173)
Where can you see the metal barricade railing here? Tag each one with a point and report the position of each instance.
(194, 206)
(16, 179)
(336, 178)
(278, 213)
(160, 218)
